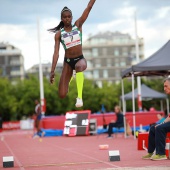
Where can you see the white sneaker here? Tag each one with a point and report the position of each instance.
(79, 102)
(42, 134)
(35, 136)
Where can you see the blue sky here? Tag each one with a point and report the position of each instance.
(18, 23)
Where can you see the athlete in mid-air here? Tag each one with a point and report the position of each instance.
(71, 38)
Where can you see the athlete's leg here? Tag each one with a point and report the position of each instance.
(79, 82)
(80, 66)
(64, 80)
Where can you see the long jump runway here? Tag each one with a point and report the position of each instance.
(73, 153)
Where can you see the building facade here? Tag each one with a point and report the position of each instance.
(11, 62)
(109, 53)
(46, 69)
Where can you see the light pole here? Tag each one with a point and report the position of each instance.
(138, 60)
(40, 72)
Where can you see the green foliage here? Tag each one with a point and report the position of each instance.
(17, 100)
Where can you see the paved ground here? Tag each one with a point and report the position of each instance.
(73, 153)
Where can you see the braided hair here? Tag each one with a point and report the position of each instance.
(61, 24)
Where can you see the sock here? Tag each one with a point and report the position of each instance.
(79, 82)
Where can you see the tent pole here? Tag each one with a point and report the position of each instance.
(161, 103)
(167, 103)
(123, 104)
(133, 105)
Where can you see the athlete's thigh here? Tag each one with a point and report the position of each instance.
(65, 78)
(81, 65)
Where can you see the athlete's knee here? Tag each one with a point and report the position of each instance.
(79, 68)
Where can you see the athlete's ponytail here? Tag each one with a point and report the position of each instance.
(57, 28)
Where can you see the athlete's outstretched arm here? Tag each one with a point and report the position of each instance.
(55, 56)
(85, 14)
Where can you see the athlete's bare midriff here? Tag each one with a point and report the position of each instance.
(73, 51)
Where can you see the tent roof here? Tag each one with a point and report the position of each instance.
(157, 64)
(146, 93)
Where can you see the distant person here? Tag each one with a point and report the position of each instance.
(38, 116)
(161, 119)
(157, 134)
(145, 109)
(118, 123)
(152, 109)
(70, 35)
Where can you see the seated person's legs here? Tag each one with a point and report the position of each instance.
(151, 139)
(160, 137)
(111, 125)
(151, 143)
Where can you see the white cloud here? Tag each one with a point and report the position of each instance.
(155, 35)
(163, 12)
(26, 39)
(152, 21)
(126, 12)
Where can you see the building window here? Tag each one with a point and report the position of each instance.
(95, 52)
(122, 62)
(14, 61)
(116, 52)
(116, 62)
(89, 64)
(94, 41)
(117, 73)
(117, 40)
(88, 74)
(125, 40)
(97, 63)
(3, 71)
(124, 51)
(96, 74)
(108, 62)
(15, 71)
(87, 53)
(105, 73)
(104, 50)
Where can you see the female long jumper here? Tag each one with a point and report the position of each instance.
(71, 38)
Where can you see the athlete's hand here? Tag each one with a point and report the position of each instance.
(52, 77)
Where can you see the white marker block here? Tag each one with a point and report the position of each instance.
(114, 155)
(8, 161)
(103, 147)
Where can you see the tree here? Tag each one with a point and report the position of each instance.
(17, 100)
